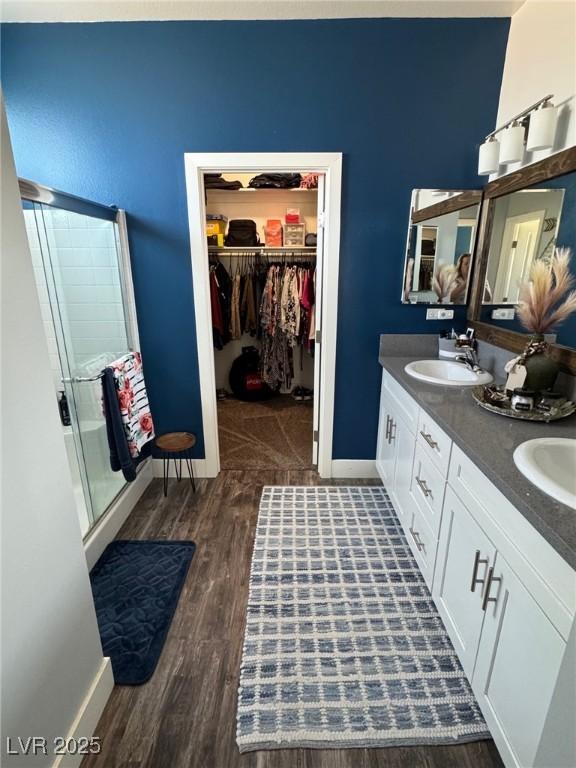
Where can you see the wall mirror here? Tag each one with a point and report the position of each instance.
(526, 215)
(440, 244)
(526, 226)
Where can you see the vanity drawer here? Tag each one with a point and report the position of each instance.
(427, 488)
(435, 442)
(423, 543)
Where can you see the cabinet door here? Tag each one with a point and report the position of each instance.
(519, 659)
(404, 442)
(464, 555)
(385, 449)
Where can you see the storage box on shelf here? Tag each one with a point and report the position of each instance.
(294, 234)
(507, 598)
(292, 215)
(215, 226)
(273, 233)
(215, 230)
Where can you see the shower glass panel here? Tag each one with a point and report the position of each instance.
(78, 266)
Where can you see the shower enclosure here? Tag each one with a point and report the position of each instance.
(81, 263)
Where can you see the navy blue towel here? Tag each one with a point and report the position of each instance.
(136, 586)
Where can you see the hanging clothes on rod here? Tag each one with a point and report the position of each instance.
(220, 303)
(269, 295)
(284, 319)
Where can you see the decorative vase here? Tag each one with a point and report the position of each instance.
(541, 369)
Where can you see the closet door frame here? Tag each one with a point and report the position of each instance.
(327, 163)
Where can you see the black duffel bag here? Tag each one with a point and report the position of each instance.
(242, 234)
(275, 181)
(245, 380)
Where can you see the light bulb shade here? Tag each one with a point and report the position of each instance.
(542, 128)
(488, 157)
(512, 144)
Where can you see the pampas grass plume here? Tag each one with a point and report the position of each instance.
(547, 298)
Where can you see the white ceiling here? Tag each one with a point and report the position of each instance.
(150, 10)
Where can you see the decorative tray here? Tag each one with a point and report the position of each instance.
(494, 399)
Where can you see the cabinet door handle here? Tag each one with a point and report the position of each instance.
(423, 487)
(477, 561)
(392, 427)
(416, 537)
(489, 581)
(387, 428)
(428, 438)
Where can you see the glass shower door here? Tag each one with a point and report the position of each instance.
(81, 261)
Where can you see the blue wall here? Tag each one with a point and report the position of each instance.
(106, 111)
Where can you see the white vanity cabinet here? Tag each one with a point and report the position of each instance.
(385, 447)
(403, 440)
(507, 598)
(465, 555)
(395, 448)
(519, 657)
(511, 630)
(415, 485)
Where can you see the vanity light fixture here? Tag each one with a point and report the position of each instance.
(542, 127)
(488, 156)
(540, 118)
(512, 143)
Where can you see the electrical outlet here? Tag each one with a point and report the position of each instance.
(439, 314)
(503, 313)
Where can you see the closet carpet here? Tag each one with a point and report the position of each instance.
(185, 716)
(274, 434)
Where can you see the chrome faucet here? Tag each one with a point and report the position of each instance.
(469, 358)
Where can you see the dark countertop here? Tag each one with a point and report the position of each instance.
(489, 440)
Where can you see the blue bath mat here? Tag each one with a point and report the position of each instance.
(136, 586)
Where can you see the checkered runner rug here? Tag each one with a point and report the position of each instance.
(343, 644)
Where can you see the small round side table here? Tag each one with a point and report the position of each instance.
(175, 445)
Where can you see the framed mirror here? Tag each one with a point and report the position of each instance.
(525, 216)
(441, 238)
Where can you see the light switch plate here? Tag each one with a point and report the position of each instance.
(439, 314)
(503, 313)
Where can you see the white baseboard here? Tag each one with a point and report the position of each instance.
(90, 711)
(115, 517)
(359, 469)
(352, 468)
(199, 468)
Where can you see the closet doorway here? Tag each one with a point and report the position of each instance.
(298, 364)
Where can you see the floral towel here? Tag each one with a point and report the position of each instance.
(133, 400)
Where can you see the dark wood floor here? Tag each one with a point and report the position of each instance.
(185, 717)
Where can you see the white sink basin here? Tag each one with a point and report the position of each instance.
(550, 464)
(446, 372)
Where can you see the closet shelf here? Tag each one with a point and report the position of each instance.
(252, 190)
(262, 248)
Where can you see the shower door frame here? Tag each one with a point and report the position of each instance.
(33, 192)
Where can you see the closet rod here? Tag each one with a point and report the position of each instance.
(263, 248)
(271, 254)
